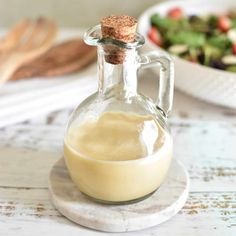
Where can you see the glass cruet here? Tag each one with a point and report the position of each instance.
(117, 144)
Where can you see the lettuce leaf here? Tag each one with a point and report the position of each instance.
(190, 38)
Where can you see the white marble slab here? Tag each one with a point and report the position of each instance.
(156, 209)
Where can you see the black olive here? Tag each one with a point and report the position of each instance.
(209, 33)
(218, 64)
(193, 18)
(201, 57)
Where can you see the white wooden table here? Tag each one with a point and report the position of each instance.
(205, 141)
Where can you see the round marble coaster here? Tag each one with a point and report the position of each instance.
(159, 207)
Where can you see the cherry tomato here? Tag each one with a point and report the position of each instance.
(155, 36)
(234, 49)
(224, 23)
(175, 13)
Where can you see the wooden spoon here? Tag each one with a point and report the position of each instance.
(9, 41)
(26, 41)
(64, 58)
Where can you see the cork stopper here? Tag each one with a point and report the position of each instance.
(121, 28)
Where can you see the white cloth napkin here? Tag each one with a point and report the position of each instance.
(23, 100)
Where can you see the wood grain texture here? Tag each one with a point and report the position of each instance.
(64, 58)
(27, 46)
(23, 209)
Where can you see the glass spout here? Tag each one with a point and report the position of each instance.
(121, 76)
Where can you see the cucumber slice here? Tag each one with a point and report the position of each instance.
(232, 35)
(229, 60)
(178, 49)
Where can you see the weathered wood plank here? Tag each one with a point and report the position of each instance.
(25, 168)
(34, 137)
(25, 208)
(208, 149)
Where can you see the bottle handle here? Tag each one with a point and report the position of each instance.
(166, 80)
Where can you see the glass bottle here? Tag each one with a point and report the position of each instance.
(118, 146)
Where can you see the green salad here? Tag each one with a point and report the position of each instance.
(209, 40)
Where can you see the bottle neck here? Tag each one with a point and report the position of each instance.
(122, 76)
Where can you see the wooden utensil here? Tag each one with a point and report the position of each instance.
(8, 42)
(26, 41)
(61, 59)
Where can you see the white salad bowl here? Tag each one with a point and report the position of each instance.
(209, 84)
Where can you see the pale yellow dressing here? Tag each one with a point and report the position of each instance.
(118, 156)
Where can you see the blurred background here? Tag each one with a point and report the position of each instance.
(73, 13)
(207, 45)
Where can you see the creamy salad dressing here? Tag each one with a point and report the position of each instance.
(119, 156)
